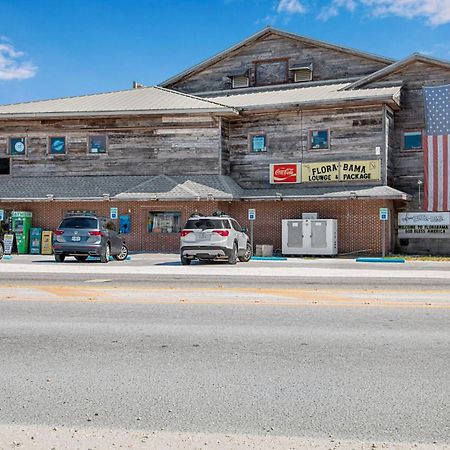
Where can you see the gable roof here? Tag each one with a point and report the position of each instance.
(261, 34)
(147, 100)
(415, 57)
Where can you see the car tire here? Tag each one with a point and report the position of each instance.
(248, 253)
(81, 258)
(104, 256)
(232, 258)
(122, 256)
(60, 258)
(185, 261)
(2, 250)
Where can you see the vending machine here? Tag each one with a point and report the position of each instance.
(21, 225)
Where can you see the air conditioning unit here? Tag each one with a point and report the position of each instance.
(309, 237)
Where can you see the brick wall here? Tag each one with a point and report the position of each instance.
(358, 220)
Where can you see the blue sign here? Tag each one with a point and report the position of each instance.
(251, 214)
(114, 213)
(17, 146)
(384, 214)
(57, 145)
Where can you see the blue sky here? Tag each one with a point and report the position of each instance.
(55, 48)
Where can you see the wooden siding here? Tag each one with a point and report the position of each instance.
(328, 64)
(408, 164)
(354, 134)
(140, 146)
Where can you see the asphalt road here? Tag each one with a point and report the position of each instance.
(316, 363)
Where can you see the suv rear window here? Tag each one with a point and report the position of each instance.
(79, 222)
(206, 224)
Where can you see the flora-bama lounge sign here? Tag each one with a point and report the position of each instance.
(325, 172)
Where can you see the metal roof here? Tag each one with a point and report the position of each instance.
(147, 100)
(308, 95)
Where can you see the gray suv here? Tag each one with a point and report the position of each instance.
(214, 237)
(88, 235)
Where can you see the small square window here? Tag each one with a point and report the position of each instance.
(97, 144)
(319, 139)
(412, 140)
(164, 222)
(258, 143)
(17, 146)
(57, 145)
(239, 81)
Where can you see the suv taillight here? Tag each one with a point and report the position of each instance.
(185, 232)
(59, 232)
(95, 233)
(223, 233)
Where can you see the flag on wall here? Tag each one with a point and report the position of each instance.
(436, 148)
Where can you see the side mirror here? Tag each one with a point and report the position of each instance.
(244, 229)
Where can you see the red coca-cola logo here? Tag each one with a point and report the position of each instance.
(284, 173)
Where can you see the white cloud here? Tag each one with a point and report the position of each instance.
(290, 7)
(436, 12)
(12, 65)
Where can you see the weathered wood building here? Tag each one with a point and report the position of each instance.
(342, 127)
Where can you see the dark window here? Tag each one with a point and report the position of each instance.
(412, 140)
(236, 226)
(258, 143)
(207, 224)
(319, 139)
(97, 144)
(17, 146)
(271, 72)
(4, 166)
(57, 145)
(163, 222)
(79, 222)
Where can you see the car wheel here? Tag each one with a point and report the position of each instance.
(185, 261)
(60, 258)
(122, 256)
(232, 258)
(247, 255)
(104, 257)
(81, 258)
(2, 250)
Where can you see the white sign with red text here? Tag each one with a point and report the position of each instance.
(285, 173)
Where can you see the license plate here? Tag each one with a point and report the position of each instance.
(203, 237)
(76, 238)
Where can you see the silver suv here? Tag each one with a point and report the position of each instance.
(214, 237)
(88, 235)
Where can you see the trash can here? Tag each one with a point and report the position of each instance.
(21, 225)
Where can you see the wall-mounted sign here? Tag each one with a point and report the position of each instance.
(285, 173)
(17, 146)
(320, 172)
(57, 145)
(424, 225)
(384, 214)
(360, 170)
(326, 172)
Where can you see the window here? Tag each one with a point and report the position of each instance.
(239, 81)
(79, 222)
(163, 222)
(206, 224)
(302, 72)
(4, 166)
(17, 146)
(57, 145)
(97, 144)
(412, 140)
(235, 225)
(271, 72)
(319, 139)
(258, 143)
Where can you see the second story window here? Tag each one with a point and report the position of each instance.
(97, 144)
(258, 143)
(57, 145)
(412, 140)
(239, 79)
(302, 72)
(17, 146)
(319, 139)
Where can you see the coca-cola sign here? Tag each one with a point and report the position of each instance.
(285, 173)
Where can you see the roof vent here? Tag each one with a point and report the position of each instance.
(137, 85)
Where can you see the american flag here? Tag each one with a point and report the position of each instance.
(436, 148)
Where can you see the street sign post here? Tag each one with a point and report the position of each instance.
(251, 218)
(384, 217)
